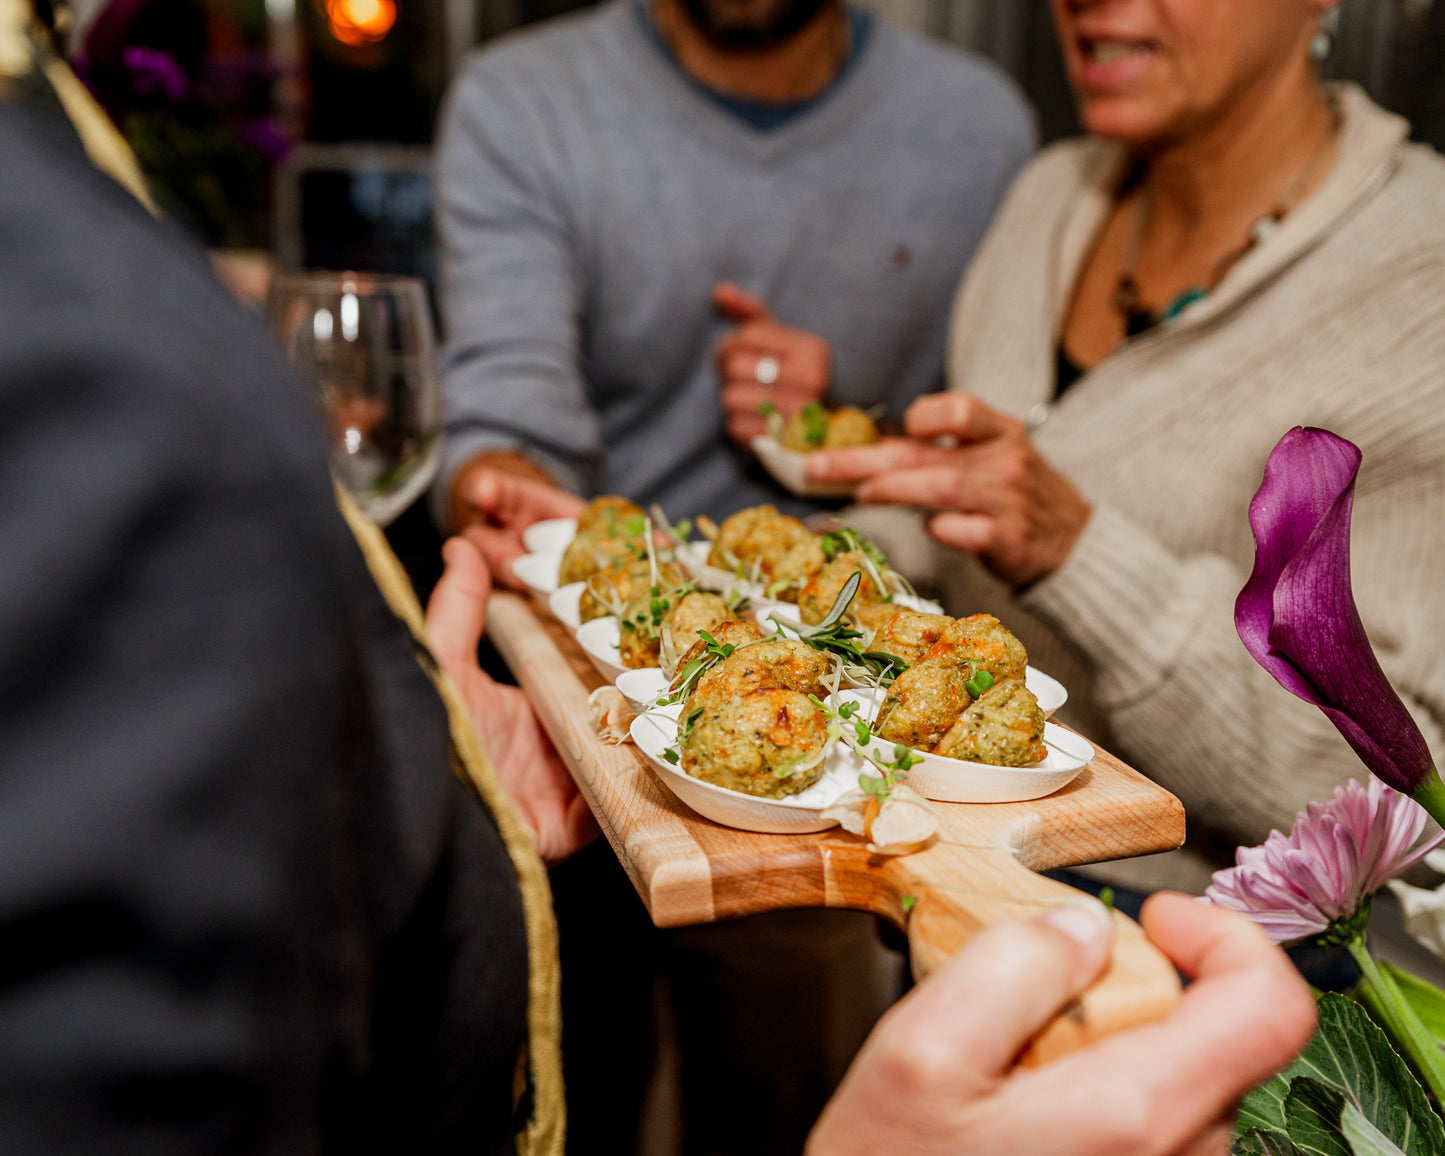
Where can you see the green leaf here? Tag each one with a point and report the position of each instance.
(1352, 1055)
(1263, 1108)
(1259, 1142)
(1313, 1110)
(907, 903)
(873, 784)
(1427, 1000)
(1365, 1139)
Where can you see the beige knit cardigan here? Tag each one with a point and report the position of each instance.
(1336, 321)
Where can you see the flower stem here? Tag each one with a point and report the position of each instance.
(1379, 992)
(1430, 794)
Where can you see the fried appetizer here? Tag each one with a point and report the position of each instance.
(1005, 728)
(779, 549)
(774, 662)
(608, 530)
(587, 555)
(868, 607)
(737, 634)
(815, 428)
(610, 591)
(923, 704)
(604, 516)
(674, 616)
(909, 634)
(767, 743)
(985, 641)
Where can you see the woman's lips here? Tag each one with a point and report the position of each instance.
(1110, 64)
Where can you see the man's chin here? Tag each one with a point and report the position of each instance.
(751, 25)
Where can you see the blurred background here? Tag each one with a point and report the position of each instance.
(297, 133)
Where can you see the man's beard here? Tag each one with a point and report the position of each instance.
(773, 25)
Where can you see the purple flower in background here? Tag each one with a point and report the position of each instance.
(265, 138)
(155, 73)
(1297, 615)
(1322, 875)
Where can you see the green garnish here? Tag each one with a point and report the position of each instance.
(635, 527)
(689, 721)
(907, 903)
(980, 684)
(836, 635)
(1106, 897)
(815, 424)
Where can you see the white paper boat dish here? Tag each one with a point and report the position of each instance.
(538, 572)
(790, 469)
(599, 640)
(692, 557)
(948, 780)
(642, 687)
(550, 536)
(565, 603)
(656, 730)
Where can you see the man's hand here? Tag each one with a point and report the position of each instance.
(544, 794)
(997, 497)
(936, 1075)
(799, 364)
(497, 496)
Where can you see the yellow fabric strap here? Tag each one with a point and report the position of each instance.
(24, 49)
(545, 1131)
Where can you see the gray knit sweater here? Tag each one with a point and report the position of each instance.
(590, 195)
(1336, 321)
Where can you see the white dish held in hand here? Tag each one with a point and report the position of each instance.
(549, 536)
(790, 469)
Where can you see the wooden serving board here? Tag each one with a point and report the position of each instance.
(980, 868)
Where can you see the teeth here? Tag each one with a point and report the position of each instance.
(1108, 52)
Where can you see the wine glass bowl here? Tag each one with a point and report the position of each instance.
(363, 346)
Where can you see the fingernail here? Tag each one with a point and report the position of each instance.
(1086, 921)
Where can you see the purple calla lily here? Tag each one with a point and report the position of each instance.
(1297, 615)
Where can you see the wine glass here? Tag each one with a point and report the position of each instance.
(362, 345)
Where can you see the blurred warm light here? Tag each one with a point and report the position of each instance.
(360, 22)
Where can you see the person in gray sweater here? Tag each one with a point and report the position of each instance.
(635, 206)
(599, 176)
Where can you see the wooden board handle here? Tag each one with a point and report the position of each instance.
(1139, 986)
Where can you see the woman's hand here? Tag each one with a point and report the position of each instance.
(994, 493)
(936, 1075)
(540, 787)
(763, 360)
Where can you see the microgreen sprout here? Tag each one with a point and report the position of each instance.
(836, 635)
(858, 737)
(845, 540)
(675, 532)
(1106, 897)
(980, 684)
(815, 424)
(713, 653)
(907, 902)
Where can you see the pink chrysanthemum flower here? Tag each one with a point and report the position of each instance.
(1317, 882)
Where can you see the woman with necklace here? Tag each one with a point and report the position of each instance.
(1235, 250)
